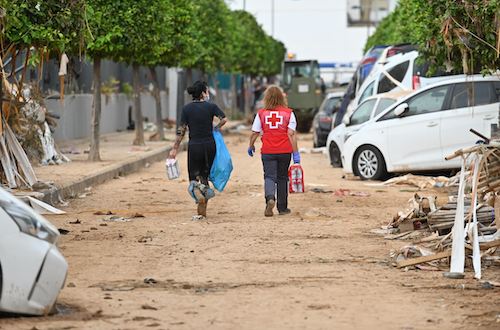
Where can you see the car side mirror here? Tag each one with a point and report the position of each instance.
(346, 120)
(400, 109)
(352, 96)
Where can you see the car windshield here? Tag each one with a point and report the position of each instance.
(297, 70)
(330, 104)
(362, 113)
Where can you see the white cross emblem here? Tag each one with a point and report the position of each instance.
(274, 119)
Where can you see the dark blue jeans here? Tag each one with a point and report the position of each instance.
(276, 178)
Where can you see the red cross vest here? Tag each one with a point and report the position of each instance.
(275, 131)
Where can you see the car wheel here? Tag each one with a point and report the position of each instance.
(315, 139)
(369, 164)
(334, 155)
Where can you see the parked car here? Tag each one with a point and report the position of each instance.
(32, 271)
(356, 80)
(400, 62)
(368, 61)
(322, 121)
(418, 132)
(366, 111)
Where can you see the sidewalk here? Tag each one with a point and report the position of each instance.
(118, 157)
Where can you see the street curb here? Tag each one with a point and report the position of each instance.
(56, 194)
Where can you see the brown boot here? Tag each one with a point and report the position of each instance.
(269, 208)
(202, 202)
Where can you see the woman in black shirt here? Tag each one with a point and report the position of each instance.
(198, 117)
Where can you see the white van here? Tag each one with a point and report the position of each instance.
(405, 74)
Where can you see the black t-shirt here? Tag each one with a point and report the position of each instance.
(198, 116)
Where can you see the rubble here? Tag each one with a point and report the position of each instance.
(462, 231)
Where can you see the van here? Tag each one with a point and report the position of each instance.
(403, 73)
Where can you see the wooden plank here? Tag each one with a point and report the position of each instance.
(419, 260)
(497, 210)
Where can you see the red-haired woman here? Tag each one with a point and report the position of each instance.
(279, 142)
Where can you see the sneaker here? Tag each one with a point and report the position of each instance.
(287, 211)
(269, 208)
(209, 193)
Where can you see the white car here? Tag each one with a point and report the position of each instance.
(418, 132)
(366, 111)
(405, 72)
(32, 271)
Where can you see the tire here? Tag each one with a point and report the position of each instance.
(369, 164)
(315, 139)
(334, 154)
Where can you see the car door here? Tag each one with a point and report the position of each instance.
(413, 139)
(472, 105)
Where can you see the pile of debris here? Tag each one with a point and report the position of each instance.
(463, 226)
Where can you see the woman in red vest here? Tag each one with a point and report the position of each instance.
(277, 124)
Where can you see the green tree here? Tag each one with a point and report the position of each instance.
(181, 33)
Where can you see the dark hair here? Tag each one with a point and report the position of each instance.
(197, 88)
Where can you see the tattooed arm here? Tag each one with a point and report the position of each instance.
(180, 135)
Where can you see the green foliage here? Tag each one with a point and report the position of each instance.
(127, 89)
(57, 25)
(458, 34)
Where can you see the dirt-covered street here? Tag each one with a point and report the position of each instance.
(153, 267)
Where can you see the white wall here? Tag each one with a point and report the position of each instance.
(76, 113)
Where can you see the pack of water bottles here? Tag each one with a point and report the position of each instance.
(173, 169)
(295, 179)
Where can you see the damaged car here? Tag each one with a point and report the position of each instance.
(419, 131)
(32, 270)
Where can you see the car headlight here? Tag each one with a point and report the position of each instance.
(349, 134)
(28, 224)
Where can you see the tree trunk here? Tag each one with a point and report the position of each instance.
(190, 77)
(96, 113)
(159, 121)
(234, 100)
(139, 130)
(242, 93)
(249, 102)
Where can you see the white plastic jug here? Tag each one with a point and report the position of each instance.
(173, 169)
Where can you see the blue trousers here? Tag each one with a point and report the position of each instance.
(276, 178)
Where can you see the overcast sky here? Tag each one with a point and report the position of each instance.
(312, 29)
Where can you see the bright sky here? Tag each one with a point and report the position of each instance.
(312, 29)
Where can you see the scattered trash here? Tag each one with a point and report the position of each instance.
(197, 217)
(63, 231)
(419, 181)
(144, 239)
(347, 192)
(146, 165)
(115, 218)
(147, 306)
(317, 190)
(43, 208)
(76, 222)
(457, 276)
(103, 213)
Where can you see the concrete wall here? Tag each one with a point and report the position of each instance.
(76, 113)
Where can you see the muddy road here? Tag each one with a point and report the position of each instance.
(317, 268)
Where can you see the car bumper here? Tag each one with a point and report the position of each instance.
(346, 156)
(32, 277)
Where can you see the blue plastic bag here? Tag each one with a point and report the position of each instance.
(222, 165)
